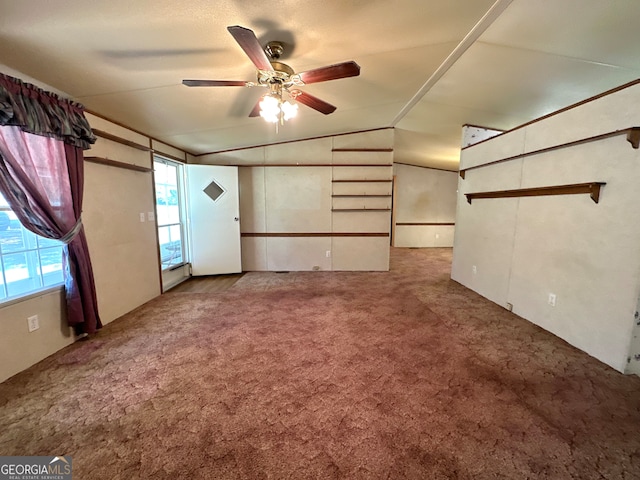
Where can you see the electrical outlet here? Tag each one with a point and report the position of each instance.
(33, 323)
(474, 269)
(150, 216)
(552, 299)
(437, 236)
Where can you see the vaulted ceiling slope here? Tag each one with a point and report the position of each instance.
(427, 66)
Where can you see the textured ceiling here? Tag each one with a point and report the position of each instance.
(427, 66)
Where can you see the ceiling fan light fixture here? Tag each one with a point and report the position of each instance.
(289, 110)
(273, 107)
(270, 108)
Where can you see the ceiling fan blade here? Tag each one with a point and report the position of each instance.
(214, 83)
(256, 109)
(313, 102)
(332, 72)
(251, 46)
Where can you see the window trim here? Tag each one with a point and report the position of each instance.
(182, 215)
(31, 295)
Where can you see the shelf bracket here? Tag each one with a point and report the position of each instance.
(633, 137)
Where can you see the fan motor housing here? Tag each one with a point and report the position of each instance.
(282, 67)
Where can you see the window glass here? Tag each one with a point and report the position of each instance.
(28, 262)
(169, 212)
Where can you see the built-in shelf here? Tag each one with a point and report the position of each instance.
(115, 163)
(361, 196)
(591, 188)
(632, 133)
(122, 141)
(360, 181)
(360, 209)
(362, 150)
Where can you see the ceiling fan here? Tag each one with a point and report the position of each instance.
(279, 78)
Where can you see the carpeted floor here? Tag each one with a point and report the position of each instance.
(404, 374)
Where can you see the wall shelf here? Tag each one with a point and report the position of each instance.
(632, 133)
(120, 140)
(115, 163)
(591, 188)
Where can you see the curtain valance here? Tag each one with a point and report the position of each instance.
(43, 113)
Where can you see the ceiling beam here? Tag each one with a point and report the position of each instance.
(478, 29)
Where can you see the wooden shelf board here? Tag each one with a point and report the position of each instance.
(123, 141)
(591, 188)
(632, 133)
(115, 163)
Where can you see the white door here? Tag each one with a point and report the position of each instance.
(214, 219)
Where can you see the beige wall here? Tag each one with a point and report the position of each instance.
(123, 248)
(19, 348)
(426, 199)
(295, 190)
(518, 251)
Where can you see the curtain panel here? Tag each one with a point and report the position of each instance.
(42, 138)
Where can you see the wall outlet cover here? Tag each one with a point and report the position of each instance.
(33, 322)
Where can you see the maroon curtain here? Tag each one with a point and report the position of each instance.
(42, 138)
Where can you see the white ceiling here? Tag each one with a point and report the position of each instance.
(427, 66)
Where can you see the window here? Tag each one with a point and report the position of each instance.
(169, 212)
(28, 262)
